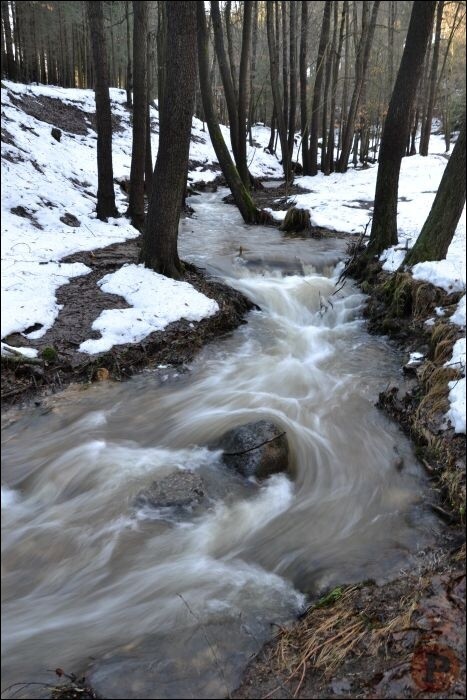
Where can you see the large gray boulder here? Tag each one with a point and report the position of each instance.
(256, 449)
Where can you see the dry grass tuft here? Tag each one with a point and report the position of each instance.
(329, 633)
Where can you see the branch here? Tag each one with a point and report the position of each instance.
(235, 454)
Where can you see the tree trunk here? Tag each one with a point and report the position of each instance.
(391, 25)
(241, 195)
(140, 100)
(112, 81)
(272, 138)
(314, 126)
(293, 75)
(10, 59)
(105, 187)
(230, 47)
(330, 58)
(243, 86)
(129, 73)
(396, 128)
(226, 75)
(440, 226)
(160, 250)
(285, 59)
(303, 88)
(363, 56)
(251, 108)
(426, 128)
(276, 91)
(161, 49)
(148, 171)
(329, 163)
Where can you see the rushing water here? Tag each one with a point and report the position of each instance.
(175, 608)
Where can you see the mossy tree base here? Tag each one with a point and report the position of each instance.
(296, 221)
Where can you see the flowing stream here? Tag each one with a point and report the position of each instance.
(162, 607)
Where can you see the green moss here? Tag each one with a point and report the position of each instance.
(49, 354)
(401, 303)
(366, 287)
(330, 598)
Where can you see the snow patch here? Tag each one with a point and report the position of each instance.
(456, 413)
(458, 316)
(155, 302)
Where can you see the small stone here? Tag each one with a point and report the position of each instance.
(56, 133)
(70, 219)
(102, 374)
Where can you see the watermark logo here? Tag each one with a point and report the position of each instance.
(434, 667)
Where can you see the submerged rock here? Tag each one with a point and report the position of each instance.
(180, 491)
(255, 449)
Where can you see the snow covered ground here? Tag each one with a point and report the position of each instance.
(43, 180)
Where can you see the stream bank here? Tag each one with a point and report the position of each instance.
(405, 638)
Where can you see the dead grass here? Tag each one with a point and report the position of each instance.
(329, 633)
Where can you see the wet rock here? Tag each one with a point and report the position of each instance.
(70, 219)
(255, 449)
(181, 491)
(56, 133)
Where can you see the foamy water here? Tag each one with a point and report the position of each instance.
(86, 573)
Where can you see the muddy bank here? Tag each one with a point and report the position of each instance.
(60, 363)
(401, 640)
(406, 638)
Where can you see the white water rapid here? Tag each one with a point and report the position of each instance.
(163, 608)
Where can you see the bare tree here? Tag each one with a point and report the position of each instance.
(314, 125)
(396, 128)
(160, 240)
(140, 105)
(105, 185)
(440, 226)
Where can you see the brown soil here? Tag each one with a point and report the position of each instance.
(67, 117)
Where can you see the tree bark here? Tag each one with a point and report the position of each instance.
(303, 88)
(314, 126)
(149, 167)
(329, 163)
(285, 58)
(251, 107)
(293, 75)
(161, 49)
(363, 56)
(241, 195)
(243, 87)
(226, 75)
(129, 71)
(160, 250)
(396, 128)
(105, 186)
(276, 91)
(140, 100)
(230, 47)
(330, 56)
(426, 127)
(440, 226)
(10, 59)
